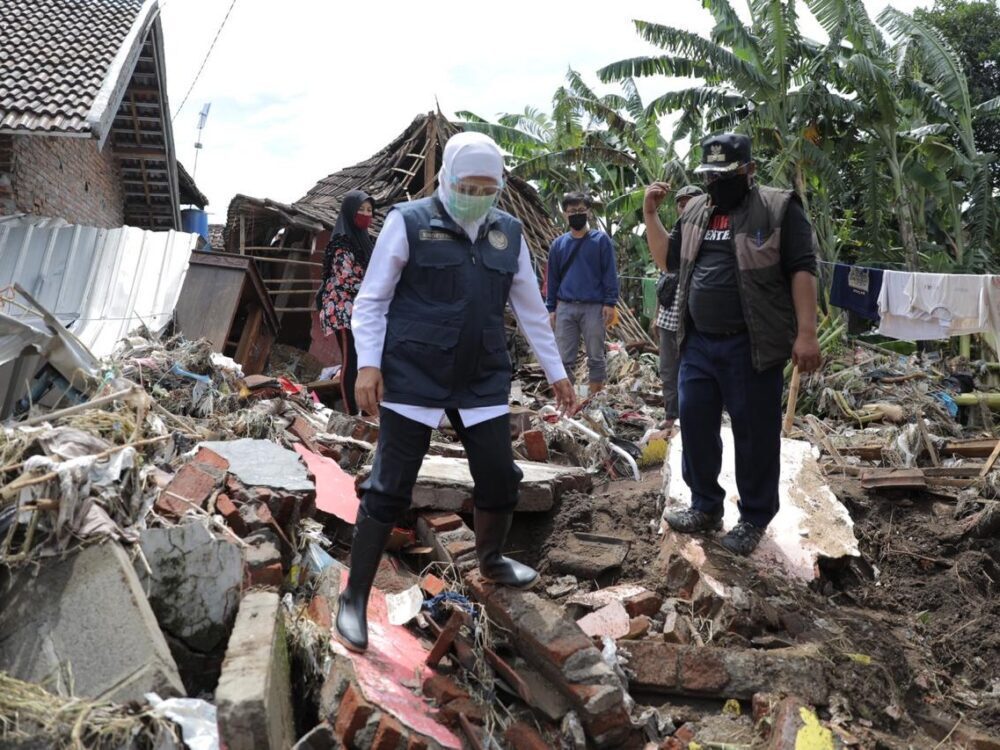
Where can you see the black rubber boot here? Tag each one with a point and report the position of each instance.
(491, 533)
(370, 537)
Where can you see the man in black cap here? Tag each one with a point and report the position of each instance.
(747, 297)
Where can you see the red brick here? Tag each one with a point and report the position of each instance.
(672, 743)
(319, 612)
(535, 446)
(440, 522)
(365, 430)
(702, 672)
(613, 723)
(432, 585)
(763, 704)
(647, 603)
(442, 689)
(465, 707)
(208, 457)
(192, 483)
(266, 575)
(169, 506)
(521, 736)
(305, 432)
(558, 650)
(389, 734)
(638, 627)
(352, 714)
(460, 548)
(416, 742)
(228, 510)
(685, 734)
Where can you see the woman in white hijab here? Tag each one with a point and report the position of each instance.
(430, 343)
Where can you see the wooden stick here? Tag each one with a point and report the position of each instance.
(69, 411)
(19, 484)
(931, 450)
(793, 400)
(988, 466)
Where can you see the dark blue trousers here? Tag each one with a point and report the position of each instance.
(717, 372)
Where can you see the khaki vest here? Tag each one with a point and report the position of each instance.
(765, 291)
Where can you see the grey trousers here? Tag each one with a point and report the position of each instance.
(576, 319)
(670, 362)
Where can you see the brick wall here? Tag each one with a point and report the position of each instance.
(60, 177)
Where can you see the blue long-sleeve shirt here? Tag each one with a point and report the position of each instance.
(593, 277)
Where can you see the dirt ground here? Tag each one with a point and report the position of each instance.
(911, 630)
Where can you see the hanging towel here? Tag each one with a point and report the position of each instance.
(856, 289)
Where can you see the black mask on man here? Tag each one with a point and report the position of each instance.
(577, 221)
(727, 193)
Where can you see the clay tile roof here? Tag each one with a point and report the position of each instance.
(55, 56)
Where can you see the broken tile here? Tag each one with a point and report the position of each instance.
(335, 490)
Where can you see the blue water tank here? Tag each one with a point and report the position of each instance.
(195, 221)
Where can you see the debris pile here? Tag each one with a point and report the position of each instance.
(175, 540)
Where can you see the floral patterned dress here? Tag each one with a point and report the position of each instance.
(342, 280)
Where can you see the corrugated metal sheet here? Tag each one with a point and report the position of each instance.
(100, 283)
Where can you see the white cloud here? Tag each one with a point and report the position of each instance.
(303, 88)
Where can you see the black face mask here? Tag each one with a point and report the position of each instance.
(727, 193)
(577, 221)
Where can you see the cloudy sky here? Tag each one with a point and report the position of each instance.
(303, 88)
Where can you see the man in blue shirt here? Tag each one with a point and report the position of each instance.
(582, 289)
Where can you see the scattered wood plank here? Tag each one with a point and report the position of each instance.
(881, 479)
(991, 461)
(975, 448)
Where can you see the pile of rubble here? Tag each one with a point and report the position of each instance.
(173, 547)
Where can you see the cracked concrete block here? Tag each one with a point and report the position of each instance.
(82, 625)
(254, 696)
(263, 463)
(194, 588)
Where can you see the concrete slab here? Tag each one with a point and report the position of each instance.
(254, 697)
(446, 484)
(194, 588)
(263, 463)
(811, 523)
(82, 626)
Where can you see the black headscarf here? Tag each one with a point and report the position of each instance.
(361, 241)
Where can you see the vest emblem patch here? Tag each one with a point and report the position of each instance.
(497, 239)
(758, 238)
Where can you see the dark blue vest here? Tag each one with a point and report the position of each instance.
(444, 341)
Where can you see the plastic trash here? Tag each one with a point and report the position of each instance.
(195, 717)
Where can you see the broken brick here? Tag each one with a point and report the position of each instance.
(535, 446)
(269, 576)
(389, 735)
(440, 522)
(228, 510)
(638, 627)
(208, 457)
(466, 707)
(702, 672)
(304, 431)
(319, 612)
(521, 736)
(647, 603)
(685, 733)
(432, 585)
(352, 715)
(763, 705)
(193, 484)
(460, 548)
(416, 742)
(171, 507)
(442, 689)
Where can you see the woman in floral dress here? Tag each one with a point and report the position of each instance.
(344, 264)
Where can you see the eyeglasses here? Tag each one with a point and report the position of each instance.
(477, 190)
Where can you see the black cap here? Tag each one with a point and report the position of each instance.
(726, 152)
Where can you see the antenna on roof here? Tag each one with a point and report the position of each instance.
(202, 119)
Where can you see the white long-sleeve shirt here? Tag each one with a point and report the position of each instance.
(368, 321)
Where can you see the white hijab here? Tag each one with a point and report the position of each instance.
(469, 154)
